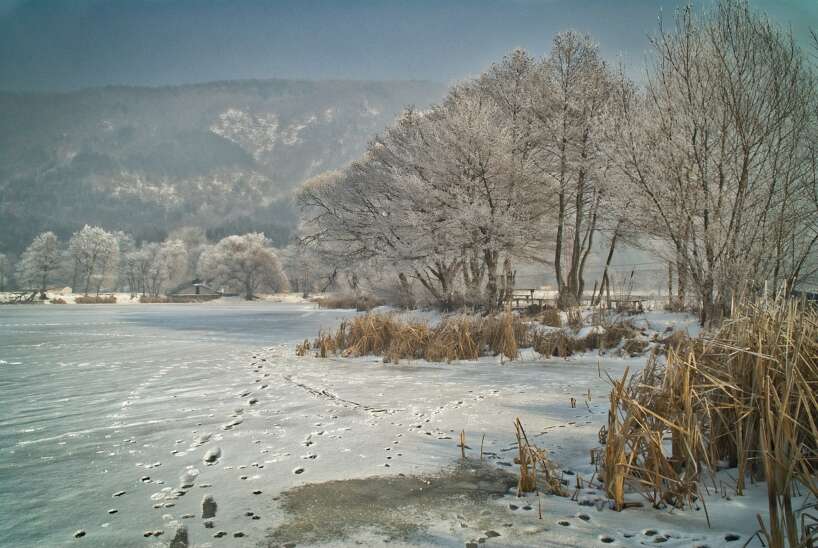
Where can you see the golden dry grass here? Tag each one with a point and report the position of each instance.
(455, 338)
(153, 299)
(346, 301)
(745, 398)
(551, 317)
(464, 337)
(95, 299)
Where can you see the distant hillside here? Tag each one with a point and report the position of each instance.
(222, 155)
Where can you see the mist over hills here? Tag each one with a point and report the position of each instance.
(224, 155)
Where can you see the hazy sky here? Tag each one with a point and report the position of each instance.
(68, 44)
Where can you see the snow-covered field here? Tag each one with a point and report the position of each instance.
(108, 415)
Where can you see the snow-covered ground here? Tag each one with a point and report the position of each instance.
(108, 417)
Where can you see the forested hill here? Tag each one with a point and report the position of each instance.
(222, 155)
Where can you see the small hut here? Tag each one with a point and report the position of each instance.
(194, 291)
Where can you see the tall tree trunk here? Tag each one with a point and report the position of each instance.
(573, 271)
(558, 249)
(407, 301)
(490, 259)
(681, 285)
(608, 261)
(508, 282)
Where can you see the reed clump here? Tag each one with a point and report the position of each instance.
(744, 398)
(614, 333)
(634, 346)
(551, 317)
(455, 338)
(463, 337)
(562, 344)
(575, 319)
(347, 301)
(537, 471)
(674, 341)
(95, 299)
(153, 299)
(301, 349)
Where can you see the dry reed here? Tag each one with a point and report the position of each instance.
(455, 338)
(463, 337)
(95, 299)
(303, 348)
(530, 458)
(551, 317)
(347, 301)
(745, 398)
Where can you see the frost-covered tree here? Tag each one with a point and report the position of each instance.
(243, 263)
(440, 194)
(309, 270)
(510, 166)
(127, 244)
(154, 268)
(720, 152)
(136, 264)
(95, 254)
(571, 92)
(194, 239)
(39, 262)
(173, 262)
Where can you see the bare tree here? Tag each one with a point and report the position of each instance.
(716, 152)
(440, 194)
(571, 93)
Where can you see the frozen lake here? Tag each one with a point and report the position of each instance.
(86, 392)
(108, 414)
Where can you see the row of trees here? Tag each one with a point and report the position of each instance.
(712, 164)
(94, 259)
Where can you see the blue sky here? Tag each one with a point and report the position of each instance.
(69, 44)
